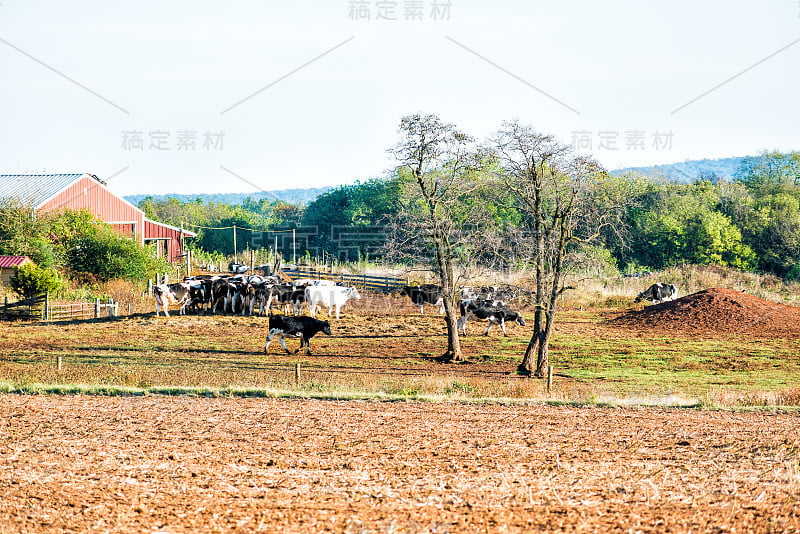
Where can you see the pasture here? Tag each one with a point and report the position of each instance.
(375, 353)
(191, 427)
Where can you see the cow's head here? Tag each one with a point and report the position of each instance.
(405, 291)
(519, 320)
(640, 297)
(353, 292)
(326, 328)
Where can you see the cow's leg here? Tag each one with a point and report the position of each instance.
(283, 343)
(337, 312)
(421, 312)
(312, 309)
(308, 349)
(487, 330)
(462, 324)
(503, 326)
(269, 340)
(158, 301)
(440, 303)
(302, 342)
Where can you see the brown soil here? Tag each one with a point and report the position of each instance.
(94, 464)
(717, 310)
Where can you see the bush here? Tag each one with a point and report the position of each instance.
(30, 280)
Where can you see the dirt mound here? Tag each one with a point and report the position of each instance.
(717, 310)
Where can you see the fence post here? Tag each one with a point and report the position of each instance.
(96, 308)
(549, 378)
(297, 374)
(111, 310)
(252, 260)
(150, 287)
(46, 310)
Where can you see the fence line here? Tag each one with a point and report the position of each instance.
(383, 284)
(41, 308)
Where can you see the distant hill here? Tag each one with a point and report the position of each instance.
(691, 170)
(291, 196)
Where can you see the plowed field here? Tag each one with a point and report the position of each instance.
(156, 464)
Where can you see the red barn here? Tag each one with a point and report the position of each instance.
(51, 192)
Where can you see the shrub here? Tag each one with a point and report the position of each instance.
(31, 280)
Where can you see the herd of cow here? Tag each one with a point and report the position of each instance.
(241, 293)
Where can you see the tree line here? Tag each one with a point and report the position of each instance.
(751, 223)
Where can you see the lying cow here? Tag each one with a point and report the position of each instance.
(425, 294)
(330, 297)
(167, 294)
(658, 293)
(493, 311)
(302, 327)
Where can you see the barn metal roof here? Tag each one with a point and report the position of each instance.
(34, 189)
(13, 261)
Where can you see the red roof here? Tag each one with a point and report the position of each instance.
(13, 261)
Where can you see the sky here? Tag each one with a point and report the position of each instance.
(207, 97)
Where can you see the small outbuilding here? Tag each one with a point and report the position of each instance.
(7, 266)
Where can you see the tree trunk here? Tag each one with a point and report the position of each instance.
(526, 367)
(444, 255)
(542, 356)
(453, 353)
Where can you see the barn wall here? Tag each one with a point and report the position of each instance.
(88, 193)
(153, 230)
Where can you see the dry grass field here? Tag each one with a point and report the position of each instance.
(158, 464)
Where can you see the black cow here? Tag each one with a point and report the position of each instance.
(425, 294)
(658, 293)
(303, 327)
(486, 310)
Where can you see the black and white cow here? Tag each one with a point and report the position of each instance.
(425, 294)
(167, 294)
(302, 327)
(485, 310)
(287, 295)
(658, 293)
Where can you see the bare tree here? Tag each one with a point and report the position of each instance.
(565, 204)
(440, 219)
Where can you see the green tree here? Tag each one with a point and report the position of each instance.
(773, 230)
(30, 280)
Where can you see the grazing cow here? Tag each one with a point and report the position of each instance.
(425, 294)
(487, 310)
(329, 296)
(167, 294)
(658, 293)
(303, 327)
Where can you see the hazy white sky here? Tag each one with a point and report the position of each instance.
(158, 88)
